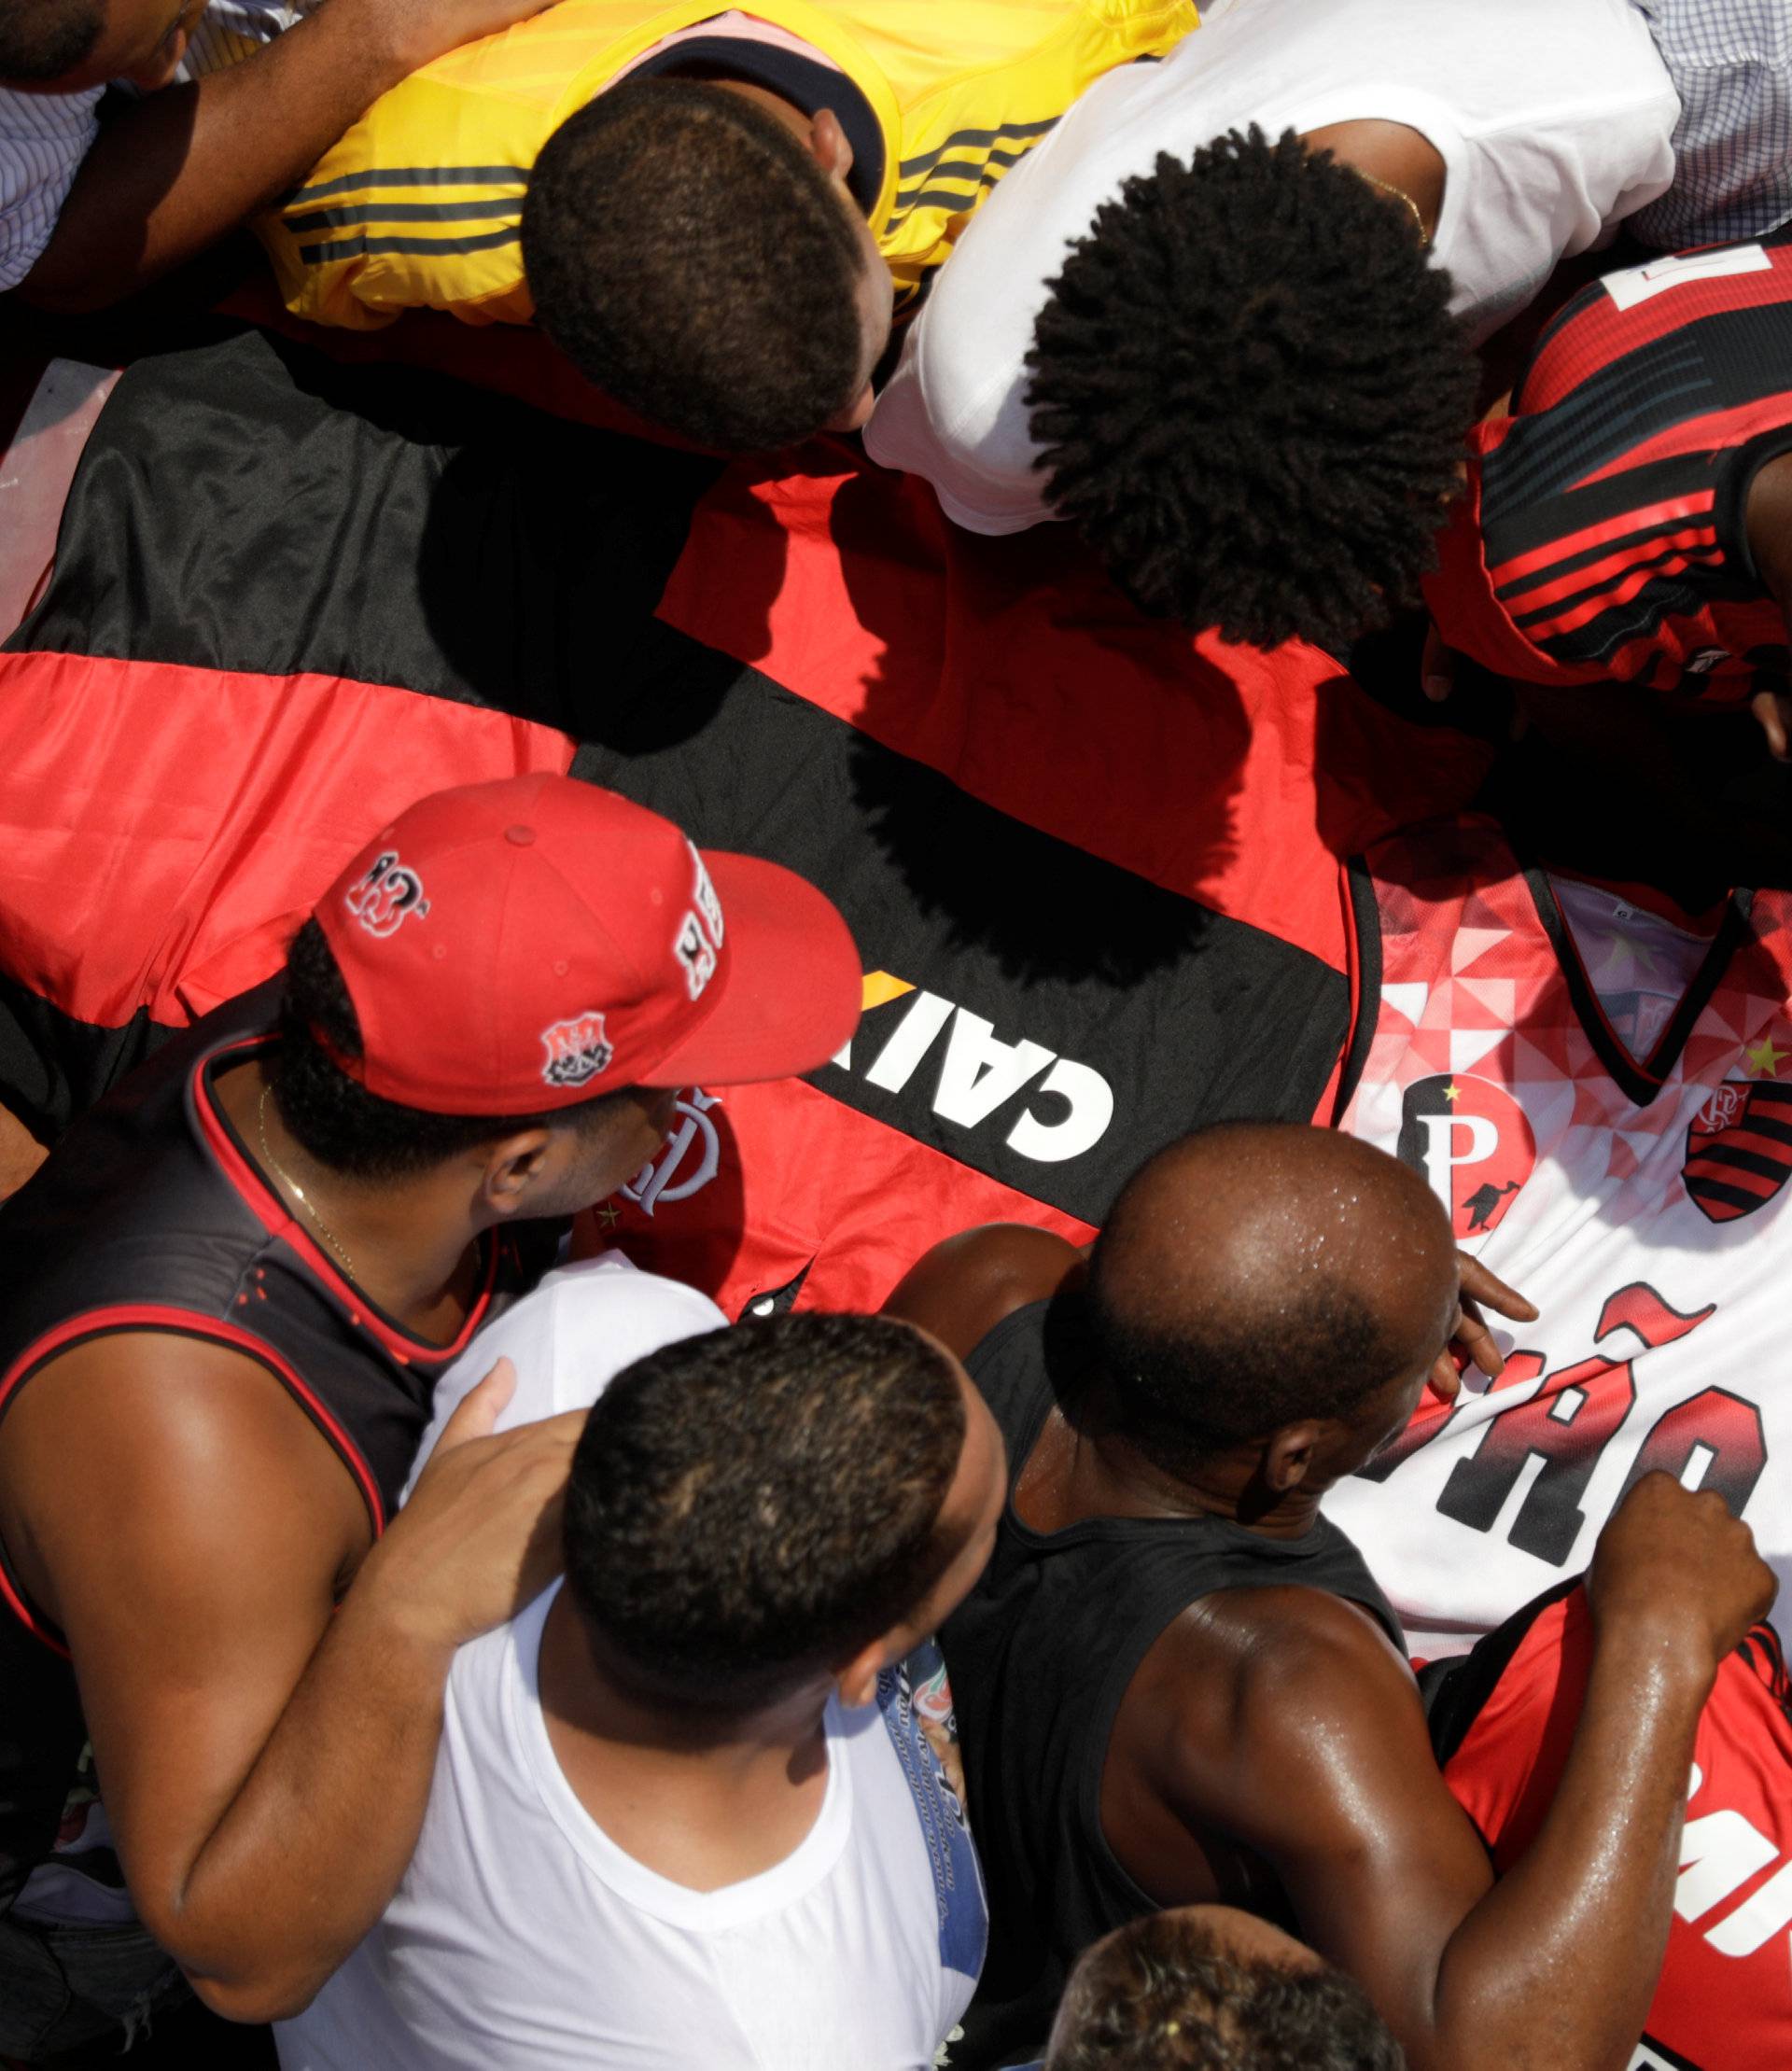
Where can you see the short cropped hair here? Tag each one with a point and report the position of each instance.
(1251, 396)
(42, 39)
(1193, 1379)
(690, 257)
(343, 1126)
(749, 1508)
(1163, 1996)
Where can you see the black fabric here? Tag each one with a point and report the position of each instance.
(1040, 1656)
(137, 1212)
(1454, 1691)
(249, 504)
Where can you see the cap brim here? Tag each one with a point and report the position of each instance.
(793, 988)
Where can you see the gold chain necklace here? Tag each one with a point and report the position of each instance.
(298, 1192)
(1399, 194)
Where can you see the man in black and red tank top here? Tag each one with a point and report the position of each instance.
(1176, 1681)
(223, 1302)
(1628, 515)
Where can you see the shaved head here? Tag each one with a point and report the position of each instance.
(1255, 1274)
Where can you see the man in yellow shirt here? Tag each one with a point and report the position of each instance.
(714, 214)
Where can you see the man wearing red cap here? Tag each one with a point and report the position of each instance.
(231, 1289)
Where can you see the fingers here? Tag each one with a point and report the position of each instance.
(1437, 667)
(1773, 709)
(1477, 1343)
(480, 1408)
(1480, 1285)
(1445, 1383)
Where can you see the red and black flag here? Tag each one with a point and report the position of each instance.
(1090, 864)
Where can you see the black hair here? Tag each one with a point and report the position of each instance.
(337, 1120)
(750, 1507)
(42, 39)
(687, 254)
(1162, 1995)
(1193, 1378)
(1251, 396)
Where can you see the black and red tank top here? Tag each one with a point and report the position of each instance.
(150, 1215)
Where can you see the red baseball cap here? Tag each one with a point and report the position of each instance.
(526, 944)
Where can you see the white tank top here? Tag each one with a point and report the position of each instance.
(523, 1939)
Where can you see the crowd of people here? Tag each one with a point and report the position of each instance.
(1231, 1644)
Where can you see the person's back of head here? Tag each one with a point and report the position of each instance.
(41, 40)
(1250, 394)
(751, 1509)
(687, 252)
(1254, 1274)
(1207, 1989)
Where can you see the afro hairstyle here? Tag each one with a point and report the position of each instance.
(1251, 394)
(689, 256)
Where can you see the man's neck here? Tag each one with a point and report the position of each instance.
(1392, 154)
(407, 1245)
(704, 1800)
(1084, 1466)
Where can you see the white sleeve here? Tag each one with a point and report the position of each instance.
(43, 139)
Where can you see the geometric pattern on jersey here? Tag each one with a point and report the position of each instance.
(1659, 1338)
(352, 583)
(1602, 534)
(1724, 1999)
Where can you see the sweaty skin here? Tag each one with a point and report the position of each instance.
(1270, 1751)
(267, 1755)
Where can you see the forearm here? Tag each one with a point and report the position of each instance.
(306, 1857)
(1558, 1963)
(184, 166)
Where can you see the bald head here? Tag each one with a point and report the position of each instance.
(1252, 1275)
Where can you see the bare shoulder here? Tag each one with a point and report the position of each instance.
(164, 1431)
(965, 1286)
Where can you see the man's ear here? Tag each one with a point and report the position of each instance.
(1288, 1456)
(857, 1679)
(512, 1168)
(828, 143)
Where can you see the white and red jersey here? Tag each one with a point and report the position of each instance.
(1599, 1089)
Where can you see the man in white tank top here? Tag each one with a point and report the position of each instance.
(683, 1813)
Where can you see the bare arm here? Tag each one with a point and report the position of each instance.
(184, 166)
(265, 1764)
(962, 1288)
(1556, 1964)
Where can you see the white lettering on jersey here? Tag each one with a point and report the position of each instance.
(980, 1072)
(1440, 1146)
(1718, 1855)
(1637, 284)
(663, 1178)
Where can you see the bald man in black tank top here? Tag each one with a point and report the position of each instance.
(1177, 1683)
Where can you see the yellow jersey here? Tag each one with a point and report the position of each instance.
(420, 204)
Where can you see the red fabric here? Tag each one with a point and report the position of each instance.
(955, 650)
(1718, 2003)
(805, 1186)
(169, 876)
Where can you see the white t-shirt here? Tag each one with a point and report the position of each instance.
(522, 1939)
(1553, 119)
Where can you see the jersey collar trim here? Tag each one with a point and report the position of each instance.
(270, 1209)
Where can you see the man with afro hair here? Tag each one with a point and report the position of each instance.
(1222, 319)
(1251, 394)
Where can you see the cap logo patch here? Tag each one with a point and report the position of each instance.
(698, 941)
(389, 891)
(576, 1050)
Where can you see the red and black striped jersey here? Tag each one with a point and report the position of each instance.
(1602, 536)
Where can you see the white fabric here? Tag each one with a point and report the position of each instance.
(44, 136)
(1553, 116)
(523, 1939)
